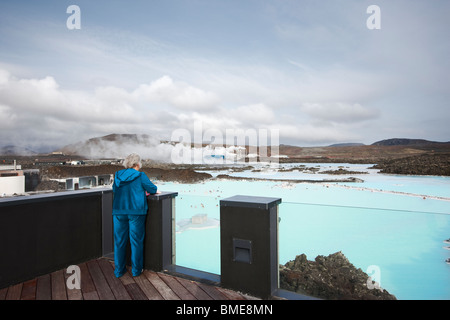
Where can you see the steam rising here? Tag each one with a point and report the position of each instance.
(149, 148)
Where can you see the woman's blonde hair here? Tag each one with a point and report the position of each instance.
(132, 160)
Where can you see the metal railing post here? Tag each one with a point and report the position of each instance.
(159, 243)
(249, 244)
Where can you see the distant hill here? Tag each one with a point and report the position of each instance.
(347, 145)
(405, 142)
(152, 148)
(12, 150)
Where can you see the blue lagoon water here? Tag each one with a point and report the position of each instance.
(390, 226)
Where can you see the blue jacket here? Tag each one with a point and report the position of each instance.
(129, 192)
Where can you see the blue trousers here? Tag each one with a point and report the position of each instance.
(129, 227)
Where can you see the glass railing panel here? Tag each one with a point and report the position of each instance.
(197, 237)
(403, 250)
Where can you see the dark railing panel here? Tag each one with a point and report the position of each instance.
(159, 243)
(43, 233)
(107, 225)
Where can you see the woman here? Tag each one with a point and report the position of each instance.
(129, 213)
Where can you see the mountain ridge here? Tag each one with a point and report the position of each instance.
(118, 144)
(406, 142)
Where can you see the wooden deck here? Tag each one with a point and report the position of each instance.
(99, 283)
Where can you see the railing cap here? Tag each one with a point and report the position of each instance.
(6, 201)
(162, 195)
(250, 202)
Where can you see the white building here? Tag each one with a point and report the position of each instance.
(12, 180)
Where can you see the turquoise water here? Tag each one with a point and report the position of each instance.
(394, 225)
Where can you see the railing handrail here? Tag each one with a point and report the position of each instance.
(45, 196)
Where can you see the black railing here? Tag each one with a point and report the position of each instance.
(43, 233)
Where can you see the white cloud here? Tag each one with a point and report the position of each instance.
(254, 114)
(8, 118)
(39, 109)
(4, 77)
(313, 134)
(177, 94)
(339, 112)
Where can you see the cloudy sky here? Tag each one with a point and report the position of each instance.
(311, 69)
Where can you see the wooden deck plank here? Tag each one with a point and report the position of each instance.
(126, 278)
(149, 290)
(213, 292)
(86, 281)
(88, 289)
(14, 292)
(99, 283)
(118, 289)
(44, 288)
(232, 295)
(74, 294)
(103, 290)
(193, 288)
(136, 292)
(58, 285)
(93, 295)
(177, 287)
(29, 290)
(164, 290)
(3, 293)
